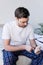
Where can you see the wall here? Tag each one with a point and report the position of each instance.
(35, 7)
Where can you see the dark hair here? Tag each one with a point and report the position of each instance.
(21, 12)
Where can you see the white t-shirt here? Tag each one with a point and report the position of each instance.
(18, 35)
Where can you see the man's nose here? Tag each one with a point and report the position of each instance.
(25, 24)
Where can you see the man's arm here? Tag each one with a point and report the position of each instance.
(9, 47)
(33, 43)
(35, 47)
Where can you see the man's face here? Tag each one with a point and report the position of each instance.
(22, 22)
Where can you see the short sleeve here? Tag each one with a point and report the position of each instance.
(31, 34)
(6, 32)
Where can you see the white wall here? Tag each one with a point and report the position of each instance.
(35, 7)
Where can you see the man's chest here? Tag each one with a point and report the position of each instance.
(19, 35)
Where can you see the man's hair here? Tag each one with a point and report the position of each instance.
(21, 12)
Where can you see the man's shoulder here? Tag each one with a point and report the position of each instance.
(9, 24)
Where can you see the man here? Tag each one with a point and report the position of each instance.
(21, 34)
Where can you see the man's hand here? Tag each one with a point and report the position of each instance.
(37, 50)
(28, 48)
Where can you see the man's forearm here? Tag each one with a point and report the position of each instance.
(33, 43)
(14, 48)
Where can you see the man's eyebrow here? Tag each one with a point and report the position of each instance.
(24, 21)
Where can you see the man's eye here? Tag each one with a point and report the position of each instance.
(23, 22)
